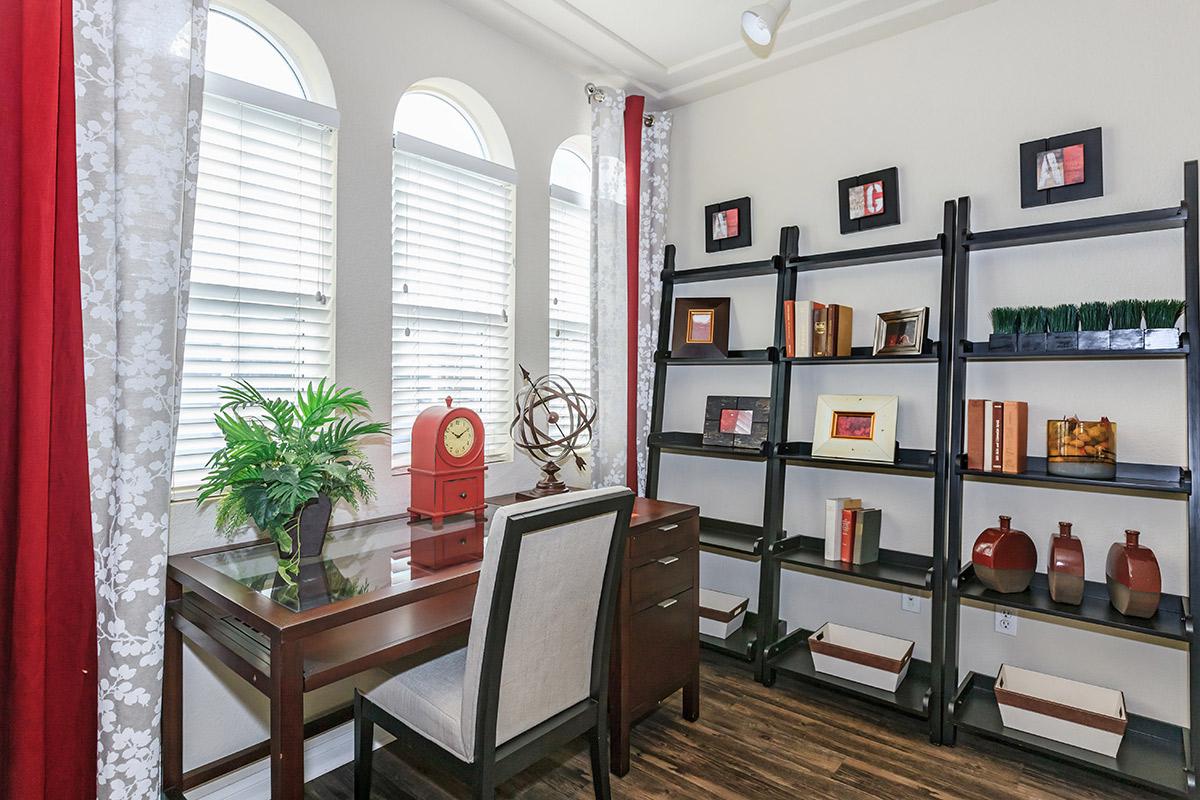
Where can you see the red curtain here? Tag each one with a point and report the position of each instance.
(635, 105)
(47, 584)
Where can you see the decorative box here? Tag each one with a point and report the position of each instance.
(1126, 339)
(1079, 714)
(1162, 338)
(721, 614)
(860, 656)
(1093, 340)
(741, 422)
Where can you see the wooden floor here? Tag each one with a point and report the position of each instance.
(791, 741)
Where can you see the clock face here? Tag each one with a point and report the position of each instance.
(458, 437)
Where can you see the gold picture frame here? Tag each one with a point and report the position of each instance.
(901, 333)
(856, 427)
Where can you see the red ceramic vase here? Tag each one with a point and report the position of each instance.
(1004, 558)
(1134, 581)
(1064, 571)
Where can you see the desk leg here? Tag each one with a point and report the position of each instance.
(691, 696)
(287, 722)
(172, 701)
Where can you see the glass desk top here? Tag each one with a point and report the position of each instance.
(357, 560)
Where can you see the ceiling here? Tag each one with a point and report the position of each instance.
(677, 51)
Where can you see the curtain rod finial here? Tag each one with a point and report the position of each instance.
(593, 92)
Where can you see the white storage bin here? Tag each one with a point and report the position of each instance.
(721, 614)
(861, 656)
(1079, 714)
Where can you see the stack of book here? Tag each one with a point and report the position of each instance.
(851, 531)
(816, 330)
(997, 435)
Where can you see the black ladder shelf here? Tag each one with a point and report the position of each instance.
(1154, 754)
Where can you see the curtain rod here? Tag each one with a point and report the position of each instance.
(594, 92)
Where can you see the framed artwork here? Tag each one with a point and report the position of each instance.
(1062, 168)
(701, 327)
(856, 427)
(732, 421)
(901, 333)
(869, 201)
(727, 225)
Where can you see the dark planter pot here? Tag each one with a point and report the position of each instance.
(1002, 343)
(314, 522)
(1162, 338)
(1057, 341)
(1093, 340)
(1031, 342)
(1126, 339)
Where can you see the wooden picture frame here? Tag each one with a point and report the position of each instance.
(856, 427)
(901, 333)
(733, 421)
(727, 225)
(701, 327)
(1048, 178)
(868, 201)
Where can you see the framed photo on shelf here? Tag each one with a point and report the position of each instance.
(900, 333)
(869, 201)
(727, 225)
(1062, 168)
(856, 427)
(732, 421)
(701, 327)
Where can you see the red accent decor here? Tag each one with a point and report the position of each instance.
(47, 581)
(634, 107)
(444, 484)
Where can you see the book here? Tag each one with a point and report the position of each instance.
(804, 327)
(975, 428)
(832, 314)
(866, 535)
(996, 448)
(789, 328)
(987, 435)
(1016, 436)
(833, 525)
(820, 338)
(842, 334)
(849, 526)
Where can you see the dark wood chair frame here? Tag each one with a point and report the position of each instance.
(493, 765)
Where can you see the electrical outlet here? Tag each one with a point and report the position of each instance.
(910, 602)
(1006, 622)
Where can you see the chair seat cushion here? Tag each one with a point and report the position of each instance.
(429, 699)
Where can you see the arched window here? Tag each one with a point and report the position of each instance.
(570, 264)
(452, 262)
(262, 252)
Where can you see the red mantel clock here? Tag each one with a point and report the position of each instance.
(447, 463)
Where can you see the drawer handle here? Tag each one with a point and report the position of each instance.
(666, 528)
(668, 603)
(463, 495)
(462, 541)
(669, 560)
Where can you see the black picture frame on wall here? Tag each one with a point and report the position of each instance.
(737, 211)
(1092, 184)
(890, 215)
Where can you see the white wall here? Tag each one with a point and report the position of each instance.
(374, 50)
(949, 104)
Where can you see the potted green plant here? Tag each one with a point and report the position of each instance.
(284, 466)
(1033, 329)
(1003, 338)
(1063, 321)
(1127, 331)
(1093, 323)
(1161, 316)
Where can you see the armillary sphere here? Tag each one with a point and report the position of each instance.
(553, 421)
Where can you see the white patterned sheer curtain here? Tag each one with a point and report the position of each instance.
(138, 80)
(610, 380)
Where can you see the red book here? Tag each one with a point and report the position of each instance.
(789, 328)
(849, 526)
(996, 451)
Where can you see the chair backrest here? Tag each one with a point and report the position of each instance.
(543, 612)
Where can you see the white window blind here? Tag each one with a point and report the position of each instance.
(570, 288)
(262, 264)
(452, 293)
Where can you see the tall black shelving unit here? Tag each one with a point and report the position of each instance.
(1154, 754)
(919, 695)
(734, 538)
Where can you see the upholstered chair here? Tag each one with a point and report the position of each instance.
(534, 673)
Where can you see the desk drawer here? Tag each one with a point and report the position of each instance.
(654, 541)
(664, 645)
(665, 576)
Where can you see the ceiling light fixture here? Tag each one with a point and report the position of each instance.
(761, 21)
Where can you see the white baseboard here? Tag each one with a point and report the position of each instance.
(323, 753)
